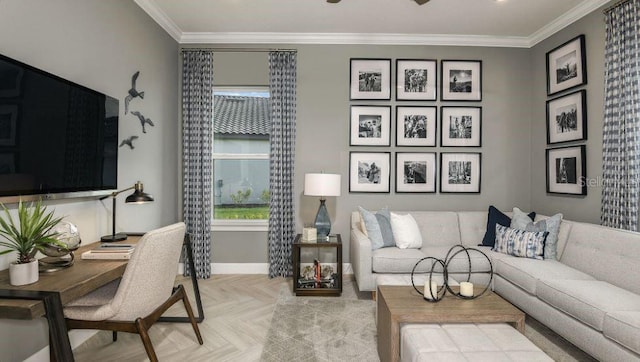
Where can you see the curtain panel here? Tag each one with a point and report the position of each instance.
(197, 138)
(621, 149)
(282, 88)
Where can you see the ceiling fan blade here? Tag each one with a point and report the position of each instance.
(333, 1)
(421, 2)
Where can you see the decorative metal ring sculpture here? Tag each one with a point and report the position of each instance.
(451, 254)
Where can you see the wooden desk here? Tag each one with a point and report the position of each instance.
(46, 297)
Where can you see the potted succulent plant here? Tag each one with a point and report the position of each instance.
(33, 234)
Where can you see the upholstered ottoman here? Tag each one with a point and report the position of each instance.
(466, 342)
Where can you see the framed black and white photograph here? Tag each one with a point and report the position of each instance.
(416, 126)
(460, 172)
(567, 170)
(416, 172)
(369, 171)
(370, 126)
(567, 118)
(416, 79)
(567, 66)
(461, 126)
(8, 124)
(370, 79)
(461, 80)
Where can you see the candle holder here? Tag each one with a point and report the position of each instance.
(442, 290)
(451, 254)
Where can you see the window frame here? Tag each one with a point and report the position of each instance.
(234, 224)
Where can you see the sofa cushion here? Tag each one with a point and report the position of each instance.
(438, 228)
(378, 227)
(395, 260)
(611, 255)
(587, 300)
(405, 231)
(520, 220)
(459, 263)
(624, 328)
(520, 243)
(473, 225)
(525, 273)
(496, 217)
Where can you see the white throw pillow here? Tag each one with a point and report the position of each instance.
(405, 231)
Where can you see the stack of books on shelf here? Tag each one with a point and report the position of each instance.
(110, 251)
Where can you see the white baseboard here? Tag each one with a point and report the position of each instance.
(250, 268)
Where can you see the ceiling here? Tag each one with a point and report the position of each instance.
(511, 23)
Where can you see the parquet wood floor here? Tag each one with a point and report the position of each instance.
(238, 310)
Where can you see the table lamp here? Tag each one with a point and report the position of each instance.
(137, 197)
(322, 184)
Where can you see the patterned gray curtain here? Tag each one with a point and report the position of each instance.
(197, 138)
(621, 149)
(282, 88)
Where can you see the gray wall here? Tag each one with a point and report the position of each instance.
(322, 142)
(100, 44)
(579, 208)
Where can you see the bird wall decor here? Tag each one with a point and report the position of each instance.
(143, 120)
(133, 92)
(128, 141)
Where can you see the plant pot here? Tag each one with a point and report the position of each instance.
(23, 274)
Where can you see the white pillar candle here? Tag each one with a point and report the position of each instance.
(466, 289)
(430, 289)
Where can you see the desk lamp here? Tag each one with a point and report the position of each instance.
(137, 197)
(322, 184)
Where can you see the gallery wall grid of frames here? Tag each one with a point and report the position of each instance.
(566, 118)
(417, 124)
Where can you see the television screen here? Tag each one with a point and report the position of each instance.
(56, 137)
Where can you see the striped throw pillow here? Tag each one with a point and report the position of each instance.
(521, 243)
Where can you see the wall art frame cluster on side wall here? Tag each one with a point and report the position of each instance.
(566, 118)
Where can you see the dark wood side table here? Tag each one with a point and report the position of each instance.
(326, 254)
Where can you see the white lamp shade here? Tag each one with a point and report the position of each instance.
(321, 184)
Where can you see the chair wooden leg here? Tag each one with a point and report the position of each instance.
(192, 318)
(114, 335)
(146, 341)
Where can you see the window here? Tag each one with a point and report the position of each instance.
(241, 128)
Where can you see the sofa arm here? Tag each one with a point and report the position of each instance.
(360, 257)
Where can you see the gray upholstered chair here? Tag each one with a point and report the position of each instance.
(145, 291)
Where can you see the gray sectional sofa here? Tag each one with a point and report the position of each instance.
(590, 295)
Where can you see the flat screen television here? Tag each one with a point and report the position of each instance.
(58, 139)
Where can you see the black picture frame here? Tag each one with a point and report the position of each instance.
(567, 170)
(416, 79)
(369, 79)
(416, 172)
(416, 126)
(567, 66)
(461, 126)
(461, 80)
(460, 172)
(370, 126)
(360, 167)
(567, 118)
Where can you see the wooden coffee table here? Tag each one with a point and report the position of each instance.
(402, 304)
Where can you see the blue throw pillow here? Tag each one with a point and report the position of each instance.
(552, 225)
(497, 217)
(521, 243)
(378, 227)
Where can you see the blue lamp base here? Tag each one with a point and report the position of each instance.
(322, 223)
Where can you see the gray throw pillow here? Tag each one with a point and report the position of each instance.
(521, 221)
(378, 227)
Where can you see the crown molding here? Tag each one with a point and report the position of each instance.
(565, 20)
(153, 10)
(351, 39)
(157, 14)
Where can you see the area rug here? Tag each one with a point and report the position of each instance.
(321, 329)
